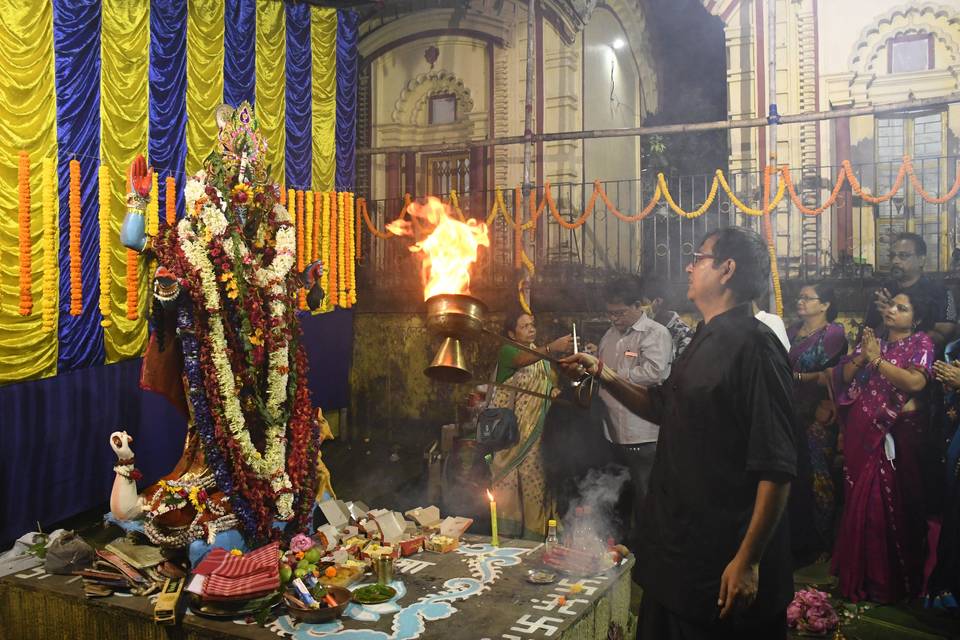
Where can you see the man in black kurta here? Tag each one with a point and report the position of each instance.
(714, 557)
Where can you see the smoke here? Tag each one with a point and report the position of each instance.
(591, 517)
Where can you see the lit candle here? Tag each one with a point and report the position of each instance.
(575, 349)
(494, 538)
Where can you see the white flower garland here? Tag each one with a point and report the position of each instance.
(271, 464)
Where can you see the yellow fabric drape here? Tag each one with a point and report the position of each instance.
(28, 119)
(271, 82)
(323, 43)
(124, 103)
(204, 78)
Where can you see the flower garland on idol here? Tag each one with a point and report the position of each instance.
(233, 254)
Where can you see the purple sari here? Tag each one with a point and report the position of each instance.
(878, 555)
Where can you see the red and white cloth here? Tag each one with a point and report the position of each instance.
(247, 576)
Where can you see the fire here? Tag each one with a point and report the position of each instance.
(448, 250)
(489, 495)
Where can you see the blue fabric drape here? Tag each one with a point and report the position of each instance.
(76, 35)
(168, 95)
(58, 461)
(239, 51)
(347, 69)
(328, 341)
(299, 88)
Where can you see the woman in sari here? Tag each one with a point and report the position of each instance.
(519, 486)
(877, 389)
(817, 343)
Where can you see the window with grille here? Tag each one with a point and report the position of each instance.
(910, 53)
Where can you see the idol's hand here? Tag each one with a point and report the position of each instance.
(575, 365)
(140, 176)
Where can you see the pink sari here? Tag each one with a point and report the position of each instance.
(878, 551)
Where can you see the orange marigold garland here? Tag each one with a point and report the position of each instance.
(171, 212)
(357, 235)
(153, 207)
(23, 219)
(332, 239)
(133, 284)
(106, 233)
(301, 293)
(50, 226)
(325, 250)
(283, 195)
(351, 257)
(76, 283)
(341, 254)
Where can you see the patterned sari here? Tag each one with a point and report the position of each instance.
(519, 484)
(813, 496)
(878, 553)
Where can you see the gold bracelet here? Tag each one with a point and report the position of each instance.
(876, 363)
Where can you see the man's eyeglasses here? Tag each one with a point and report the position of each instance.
(806, 299)
(903, 255)
(697, 257)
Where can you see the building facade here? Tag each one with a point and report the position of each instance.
(840, 55)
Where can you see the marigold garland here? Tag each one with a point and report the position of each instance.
(332, 240)
(171, 196)
(23, 220)
(283, 195)
(352, 259)
(301, 292)
(133, 284)
(153, 208)
(308, 227)
(50, 226)
(317, 218)
(76, 283)
(106, 233)
(768, 229)
(358, 238)
(341, 254)
(325, 250)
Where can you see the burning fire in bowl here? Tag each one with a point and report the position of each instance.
(448, 249)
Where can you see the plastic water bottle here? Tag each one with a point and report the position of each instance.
(551, 542)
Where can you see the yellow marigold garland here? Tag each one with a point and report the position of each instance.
(301, 293)
(50, 227)
(106, 233)
(153, 208)
(341, 254)
(308, 227)
(768, 230)
(23, 220)
(317, 215)
(351, 255)
(76, 282)
(171, 213)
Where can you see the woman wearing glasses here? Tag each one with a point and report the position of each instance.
(817, 343)
(877, 389)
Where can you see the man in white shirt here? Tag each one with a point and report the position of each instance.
(641, 351)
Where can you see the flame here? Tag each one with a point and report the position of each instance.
(489, 495)
(447, 251)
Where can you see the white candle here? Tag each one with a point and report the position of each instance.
(575, 349)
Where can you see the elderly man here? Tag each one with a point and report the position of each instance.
(713, 554)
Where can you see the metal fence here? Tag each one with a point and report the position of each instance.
(849, 239)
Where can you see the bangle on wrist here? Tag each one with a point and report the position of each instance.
(876, 362)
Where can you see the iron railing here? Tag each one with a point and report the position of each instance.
(849, 239)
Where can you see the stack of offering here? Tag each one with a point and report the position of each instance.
(229, 583)
(112, 573)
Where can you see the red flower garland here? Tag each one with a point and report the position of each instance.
(171, 212)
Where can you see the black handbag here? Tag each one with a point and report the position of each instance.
(497, 427)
